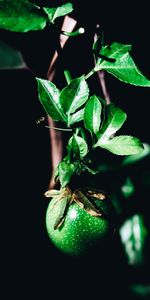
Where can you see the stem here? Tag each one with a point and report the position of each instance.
(77, 130)
(68, 76)
(58, 128)
(56, 135)
(90, 73)
(56, 149)
(101, 76)
(68, 25)
(81, 30)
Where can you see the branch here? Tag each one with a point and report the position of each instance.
(56, 136)
(101, 76)
(68, 25)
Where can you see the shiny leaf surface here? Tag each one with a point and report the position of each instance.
(78, 146)
(122, 65)
(21, 16)
(76, 117)
(114, 119)
(56, 12)
(122, 145)
(49, 98)
(133, 159)
(66, 171)
(74, 95)
(92, 114)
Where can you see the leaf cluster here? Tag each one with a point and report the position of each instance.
(92, 122)
(83, 113)
(23, 15)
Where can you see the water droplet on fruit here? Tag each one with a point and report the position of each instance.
(73, 214)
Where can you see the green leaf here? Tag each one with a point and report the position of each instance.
(127, 188)
(92, 114)
(56, 12)
(76, 117)
(123, 66)
(10, 58)
(137, 157)
(66, 171)
(89, 170)
(78, 146)
(49, 98)
(21, 16)
(140, 290)
(122, 145)
(133, 235)
(74, 95)
(114, 119)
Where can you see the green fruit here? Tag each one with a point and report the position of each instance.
(80, 230)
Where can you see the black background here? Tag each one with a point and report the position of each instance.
(33, 267)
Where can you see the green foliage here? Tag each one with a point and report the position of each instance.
(114, 119)
(140, 291)
(74, 96)
(121, 145)
(74, 105)
(133, 234)
(10, 58)
(92, 114)
(120, 64)
(49, 98)
(76, 117)
(133, 159)
(65, 171)
(56, 12)
(78, 146)
(21, 16)
(127, 188)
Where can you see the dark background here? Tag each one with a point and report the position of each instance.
(33, 267)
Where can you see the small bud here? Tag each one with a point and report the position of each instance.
(51, 193)
(81, 30)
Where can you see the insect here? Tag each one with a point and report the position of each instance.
(40, 120)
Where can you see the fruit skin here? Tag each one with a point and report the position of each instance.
(80, 230)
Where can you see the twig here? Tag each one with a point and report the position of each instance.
(58, 128)
(68, 25)
(101, 76)
(56, 136)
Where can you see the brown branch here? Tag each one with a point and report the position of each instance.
(56, 149)
(56, 136)
(68, 25)
(56, 139)
(101, 76)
